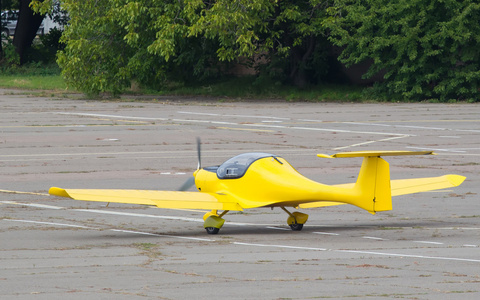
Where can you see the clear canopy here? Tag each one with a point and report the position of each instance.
(236, 166)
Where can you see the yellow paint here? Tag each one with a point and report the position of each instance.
(273, 182)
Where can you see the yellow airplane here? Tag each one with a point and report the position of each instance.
(253, 180)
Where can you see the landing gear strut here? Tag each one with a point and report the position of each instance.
(213, 222)
(295, 219)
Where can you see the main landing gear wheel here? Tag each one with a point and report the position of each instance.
(295, 219)
(296, 227)
(212, 230)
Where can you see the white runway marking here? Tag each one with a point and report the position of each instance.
(326, 233)
(363, 252)
(427, 242)
(374, 238)
(438, 149)
(50, 223)
(33, 204)
(371, 142)
(115, 230)
(235, 116)
(278, 228)
(360, 252)
(237, 124)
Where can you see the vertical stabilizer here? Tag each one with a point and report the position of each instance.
(373, 185)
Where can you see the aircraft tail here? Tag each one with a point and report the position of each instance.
(373, 187)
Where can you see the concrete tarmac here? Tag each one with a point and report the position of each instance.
(427, 247)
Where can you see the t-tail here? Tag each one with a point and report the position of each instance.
(373, 187)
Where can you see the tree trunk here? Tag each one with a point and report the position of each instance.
(1, 43)
(300, 58)
(27, 26)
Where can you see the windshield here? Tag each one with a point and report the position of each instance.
(236, 166)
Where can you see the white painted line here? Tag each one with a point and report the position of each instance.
(33, 205)
(360, 252)
(115, 230)
(310, 120)
(50, 223)
(18, 192)
(235, 116)
(278, 228)
(108, 212)
(109, 116)
(371, 142)
(326, 233)
(427, 242)
(240, 124)
(438, 150)
(473, 246)
(163, 235)
(374, 238)
(279, 246)
(408, 255)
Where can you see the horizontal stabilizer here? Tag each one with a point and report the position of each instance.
(416, 185)
(402, 187)
(375, 153)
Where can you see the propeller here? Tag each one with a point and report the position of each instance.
(199, 146)
(191, 181)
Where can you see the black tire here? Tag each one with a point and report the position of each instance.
(296, 227)
(212, 230)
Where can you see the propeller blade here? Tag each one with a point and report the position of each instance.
(187, 184)
(199, 146)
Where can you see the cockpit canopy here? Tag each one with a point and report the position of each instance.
(236, 166)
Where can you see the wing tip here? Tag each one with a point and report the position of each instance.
(324, 155)
(55, 191)
(455, 180)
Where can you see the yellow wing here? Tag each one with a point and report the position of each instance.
(403, 187)
(162, 199)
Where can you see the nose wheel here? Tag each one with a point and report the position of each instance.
(213, 222)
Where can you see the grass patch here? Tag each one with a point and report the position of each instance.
(33, 82)
(249, 87)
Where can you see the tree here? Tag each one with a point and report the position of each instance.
(26, 30)
(109, 43)
(428, 48)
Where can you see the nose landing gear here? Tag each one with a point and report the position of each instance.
(213, 222)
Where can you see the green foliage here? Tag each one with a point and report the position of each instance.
(110, 43)
(428, 49)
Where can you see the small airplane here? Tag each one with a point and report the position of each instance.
(257, 179)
